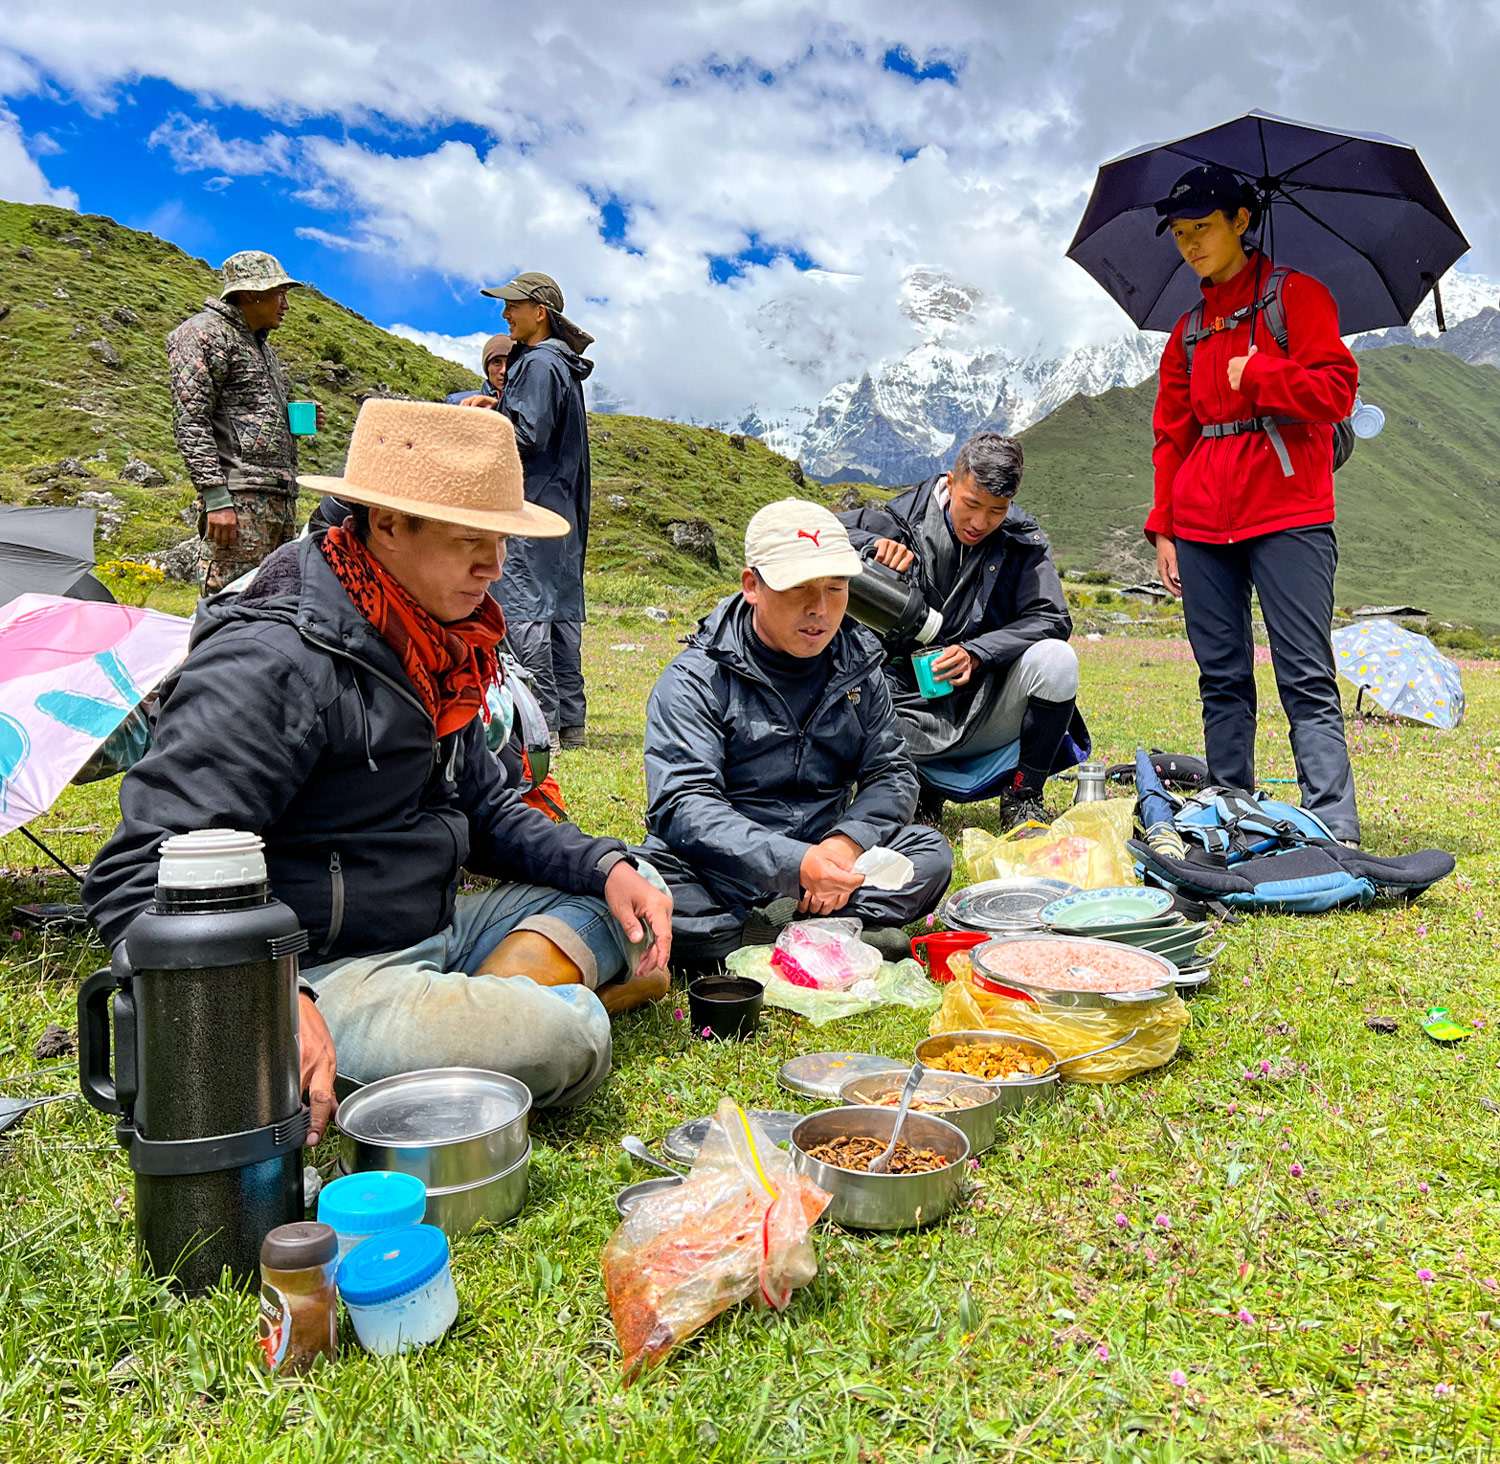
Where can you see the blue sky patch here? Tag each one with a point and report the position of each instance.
(725, 267)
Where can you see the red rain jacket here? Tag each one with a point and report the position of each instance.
(1219, 490)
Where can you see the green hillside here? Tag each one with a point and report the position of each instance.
(1419, 506)
(85, 307)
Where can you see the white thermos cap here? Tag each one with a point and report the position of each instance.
(211, 859)
(930, 628)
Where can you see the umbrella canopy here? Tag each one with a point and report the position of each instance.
(1356, 210)
(48, 551)
(70, 672)
(1403, 672)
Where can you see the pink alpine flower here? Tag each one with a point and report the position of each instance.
(1102, 1352)
(1178, 1378)
(1296, 1170)
(1425, 1276)
(1246, 1319)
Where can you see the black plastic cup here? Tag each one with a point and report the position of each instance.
(725, 1008)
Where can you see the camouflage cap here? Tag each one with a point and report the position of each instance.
(533, 285)
(253, 269)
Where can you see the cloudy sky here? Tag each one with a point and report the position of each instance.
(729, 194)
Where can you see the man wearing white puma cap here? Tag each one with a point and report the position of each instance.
(774, 758)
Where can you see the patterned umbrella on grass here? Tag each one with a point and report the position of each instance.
(1403, 672)
(70, 672)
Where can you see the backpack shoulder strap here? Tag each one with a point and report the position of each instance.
(1192, 333)
(1273, 308)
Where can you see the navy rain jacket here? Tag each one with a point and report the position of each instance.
(739, 793)
(543, 398)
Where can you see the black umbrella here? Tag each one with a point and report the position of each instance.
(48, 551)
(1357, 210)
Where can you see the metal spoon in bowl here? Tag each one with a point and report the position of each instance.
(637, 1149)
(881, 1163)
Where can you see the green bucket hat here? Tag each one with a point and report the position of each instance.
(253, 269)
(543, 290)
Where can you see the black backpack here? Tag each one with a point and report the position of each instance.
(1274, 313)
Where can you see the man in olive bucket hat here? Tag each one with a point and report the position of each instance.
(335, 708)
(229, 416)
(542, 592)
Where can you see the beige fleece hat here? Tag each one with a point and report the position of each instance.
(451, 464)
(793, 541)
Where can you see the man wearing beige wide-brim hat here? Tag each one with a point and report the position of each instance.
(335, 708)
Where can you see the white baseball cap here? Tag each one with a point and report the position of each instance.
(794, 541)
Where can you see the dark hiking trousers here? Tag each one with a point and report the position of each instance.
(552, 650)
(706, 925)
(1292, 573)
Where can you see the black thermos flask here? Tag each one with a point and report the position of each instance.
(202, 998)
(893, 607)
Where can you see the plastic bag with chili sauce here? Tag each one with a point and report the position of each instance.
(734, 1230)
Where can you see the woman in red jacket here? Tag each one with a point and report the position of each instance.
(1244, 492)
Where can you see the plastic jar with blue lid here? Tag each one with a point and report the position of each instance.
(399, 1289)
(361, 1205)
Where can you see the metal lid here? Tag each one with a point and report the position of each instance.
(392, 1264)
(211, 859)
(1003, 905)
(683, 1143)
(297, 1246)
(434, 1106)
(376, 1199)
(822, 1074)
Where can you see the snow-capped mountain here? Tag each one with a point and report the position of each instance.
(904, 417)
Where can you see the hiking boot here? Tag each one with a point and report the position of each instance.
(930, 809)
(889, 940)
(765, 922)
(572, 738)
(1017, 807)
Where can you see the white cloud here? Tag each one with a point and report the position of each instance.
(466, 349)
(719, 125)
(21, 179)
(194, 146)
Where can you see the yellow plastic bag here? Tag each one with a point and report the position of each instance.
(1086, 847)
(1069, 1030)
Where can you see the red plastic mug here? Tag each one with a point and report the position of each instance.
(941, 945)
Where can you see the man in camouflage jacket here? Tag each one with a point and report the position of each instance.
(229, 416)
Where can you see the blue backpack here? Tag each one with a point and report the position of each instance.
(1250, 852)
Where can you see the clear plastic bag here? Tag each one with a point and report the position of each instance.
(1069, 1030)
(903, 983)
(825, 954)
(734, 1230)
(1085, 847)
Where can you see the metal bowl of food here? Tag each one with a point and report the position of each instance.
(1073, 971)
(628, 1198)
(882, 1201)
(1025, 1070)
(968, 1105)
(451, 1127)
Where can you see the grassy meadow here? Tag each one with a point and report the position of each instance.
(1284, 1245)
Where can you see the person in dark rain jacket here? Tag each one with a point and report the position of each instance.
(542, 590)
(987, 566)
(774, 757)
(1244, 492)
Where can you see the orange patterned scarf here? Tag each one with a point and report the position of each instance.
(449, 665)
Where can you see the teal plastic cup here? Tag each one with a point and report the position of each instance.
(927, 683)
(302, 418)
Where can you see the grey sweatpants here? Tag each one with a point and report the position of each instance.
(423, 1007)
(552, 650)
(1047, 670)
(1292, 573)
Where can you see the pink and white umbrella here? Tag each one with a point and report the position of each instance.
(70, 673)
